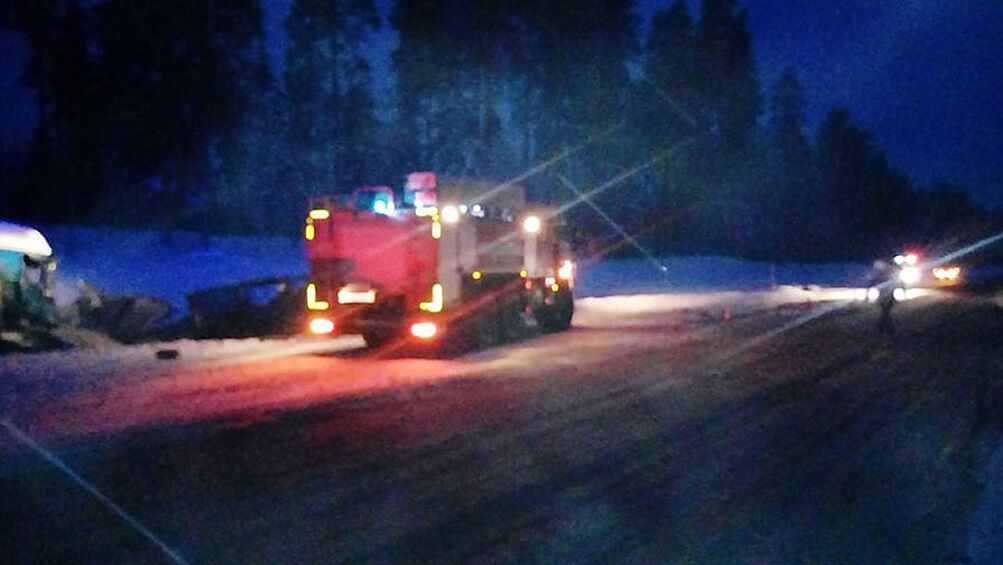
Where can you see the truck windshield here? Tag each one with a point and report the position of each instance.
(378, 201)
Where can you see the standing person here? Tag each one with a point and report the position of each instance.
(883, 276)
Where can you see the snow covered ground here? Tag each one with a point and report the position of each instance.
(151, 263)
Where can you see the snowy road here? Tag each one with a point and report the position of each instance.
(660, 429)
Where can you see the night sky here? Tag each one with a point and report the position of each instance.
(924, 76)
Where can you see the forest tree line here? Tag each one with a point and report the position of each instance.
(169, 115)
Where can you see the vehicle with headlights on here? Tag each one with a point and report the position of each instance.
(456, 261)
(914, 272)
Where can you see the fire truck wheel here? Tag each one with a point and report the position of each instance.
(457, 340)
(375, 340)
(557, 316)
(483, 331)
(510, 322)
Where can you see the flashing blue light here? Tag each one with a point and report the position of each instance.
(383, 206)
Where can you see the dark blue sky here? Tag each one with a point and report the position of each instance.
(924, 76)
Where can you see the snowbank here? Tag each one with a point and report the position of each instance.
(146, 262)
(151, 263)
(645, 276)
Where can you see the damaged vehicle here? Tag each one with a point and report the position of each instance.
(27, 275)
(256, 308)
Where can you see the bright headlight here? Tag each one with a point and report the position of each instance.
(450, 214)
(531, 224)
(909, 275)
(566, 269)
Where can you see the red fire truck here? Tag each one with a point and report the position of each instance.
(456, 263)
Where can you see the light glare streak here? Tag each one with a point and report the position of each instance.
(87, 486)
(629, 238)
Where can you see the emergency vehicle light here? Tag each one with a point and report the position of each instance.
(909, 275)
(384, 207)
(531, 224)
(421, 180)
(434, 305)
(319, 214)
(311, 299)
(450, 215)
(424, 330)
(566, 270)
(321, 326)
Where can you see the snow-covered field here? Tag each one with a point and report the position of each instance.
(121, 261)
(611, 293)
(151, 263)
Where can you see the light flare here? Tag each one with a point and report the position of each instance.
(566, 270)
(947, 273)
(321, 326)
(532, 224)
(909, 275)
(450, 214)
(424, 330)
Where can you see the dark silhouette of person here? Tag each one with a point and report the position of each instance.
(883, 276)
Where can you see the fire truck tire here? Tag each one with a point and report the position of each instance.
(510, 322)
(556, 317)
(458, 339)
(375, 340)
(483, 332)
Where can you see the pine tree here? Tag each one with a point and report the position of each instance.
(669, 68)
(665, 115)
(788, 203)
(867, 202)
(163, 80)
(726, 156)
(329, 92)
(248, 160)
(573, 100)
(729, 84)
(64, 155)
(451, 67)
